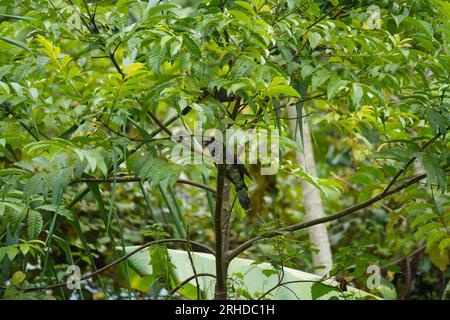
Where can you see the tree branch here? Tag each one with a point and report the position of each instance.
(194, 270)
(303, 225)
(138, 179)
(159, 123)
(282, 284)
(298, 226)
(9, 111)
(195, 276)
(116, 65)
(115, 262)
(85, 191)
(300, 101)
(399, 260)
(399, 173)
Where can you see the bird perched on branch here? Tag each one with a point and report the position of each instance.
(235, 172)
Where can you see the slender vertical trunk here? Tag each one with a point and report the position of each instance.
(221, 228)
(318, 234)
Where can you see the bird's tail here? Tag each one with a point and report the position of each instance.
(244, 200)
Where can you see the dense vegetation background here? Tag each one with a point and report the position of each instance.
(91, 90)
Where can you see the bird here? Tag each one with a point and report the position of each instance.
(235, 172)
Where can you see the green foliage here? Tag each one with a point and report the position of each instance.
(155, 170)
(84, 166)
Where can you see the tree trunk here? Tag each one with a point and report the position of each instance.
(221, 227)
(318, 234)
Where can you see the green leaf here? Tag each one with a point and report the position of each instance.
(3, 251)
(14, 217)
(283, 89)
(314, 39)
(443, 245)
(319, 77)
(34, 224)
(246, 6)
(269, 272)
(397, 154)
(17, 278)
(174, 211)
(426, 228)
(152, 11)
(335, 85)
(17, 17)
(319, 290)
(16, 43)
(159, 260)
(440, 258)
(155, 57)
(437, 121)
(307, 70)
(156, 171)
(12, 252)
(362, 178)
(24, 248)
(357, 94)
(241, 17)
(435, 174)
(435, 237)
(61, 210)
(192, 47)
(422, 218)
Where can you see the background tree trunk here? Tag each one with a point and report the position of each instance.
(318, 234)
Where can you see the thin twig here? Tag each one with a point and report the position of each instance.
(115, 262)
(116, 65)
(159, 123)
(280, 284)
(295, 227)
(399, 173)
(137, 179)
(300, 101)
(86, 190)
(400, 260)
(183, 283)
(303, 225)
(194, 270)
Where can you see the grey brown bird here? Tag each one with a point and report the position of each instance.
(235, 172)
